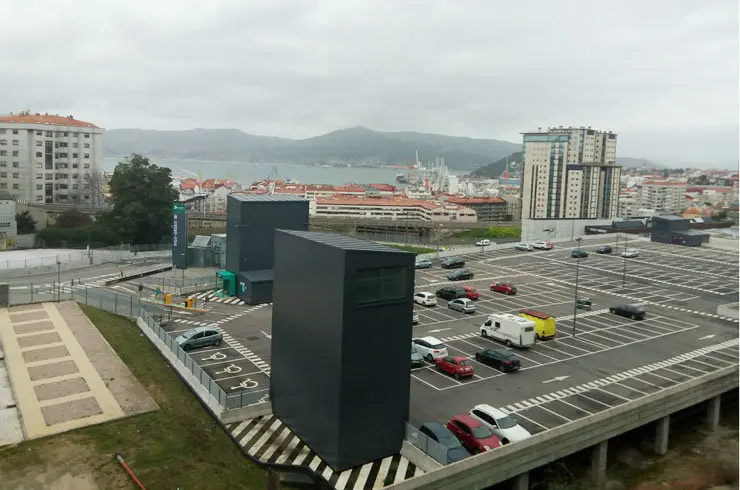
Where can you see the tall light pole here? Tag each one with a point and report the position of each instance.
(439, 239)
(59, 279)
(575, 298)
(624, 258)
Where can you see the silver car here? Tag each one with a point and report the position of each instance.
(199, 337)
(463, 305)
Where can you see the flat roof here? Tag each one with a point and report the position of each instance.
(267, 197)
(344, 242)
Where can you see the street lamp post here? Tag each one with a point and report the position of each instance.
(439, 239)
(575, 297)
(59, 279)
(624, 258)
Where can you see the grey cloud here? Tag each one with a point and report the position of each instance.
(664, 74)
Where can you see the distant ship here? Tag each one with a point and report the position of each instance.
(401, 178)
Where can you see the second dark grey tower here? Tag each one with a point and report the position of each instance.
(341, 342)
(251, 221)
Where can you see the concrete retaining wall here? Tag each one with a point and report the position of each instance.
(512, 460)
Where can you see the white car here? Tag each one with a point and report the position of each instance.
(542, 245)
(430, 348)
(425, 298)
(463, 305)
(524, 246)
(415, 318)
(630, 253)
(506, 428)
(482, 243)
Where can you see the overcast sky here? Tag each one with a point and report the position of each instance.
(661, 73)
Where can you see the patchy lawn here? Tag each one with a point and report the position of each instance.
(178, 446)
(413, 249)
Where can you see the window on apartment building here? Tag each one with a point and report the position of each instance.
(16, 164)
(39, 143)
(39, 176)
(87, 165)
(39, 165)
(87, 145)
(49, 177)
(15, 131)
(74, 165)
(3, 142)
(16, 175)
(75, 186)
(74, 155)
(49, 134)
(2, 131)
(15, 187)
(75, 145)
(15, 142)
(3, 175)
(3, 185)
(39, 187)
(39, 154)
(3, 163)
(15, 153)
(87, 135)
(39, 133)
(39, 198)
(87, 155)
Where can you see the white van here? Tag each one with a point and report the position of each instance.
(510, 329)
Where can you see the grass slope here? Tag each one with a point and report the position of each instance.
(178, 446)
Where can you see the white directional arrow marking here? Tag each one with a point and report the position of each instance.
(266, 334)
(439, 330)
(556, 378)
(707, 337)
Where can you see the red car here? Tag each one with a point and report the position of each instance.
(471, 292)
(459, 366)
(503, 287)
(476, 437)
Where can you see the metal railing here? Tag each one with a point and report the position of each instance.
(131, 307)
(179, 282)
(77, 259)
(430, 447)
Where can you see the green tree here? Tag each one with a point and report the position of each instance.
(142, 197)
(25, 222)
(72, 218)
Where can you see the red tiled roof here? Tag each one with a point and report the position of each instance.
(410, 203)
(476, 200)
(664, 183)
(45, 119)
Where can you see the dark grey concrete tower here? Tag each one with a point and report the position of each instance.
(341, 341)
(251, 221)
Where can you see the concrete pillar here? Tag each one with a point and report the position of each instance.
(520, 482)
(598, 464)
(713, 407)
(662, 427)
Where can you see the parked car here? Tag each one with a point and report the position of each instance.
(506, 428)
(630, 253)
(543, 245)
(416, 359)
(463, 305)
(578, 253)
(199, 337)
(458, 366)
(604, 249)
(423, 263)
(441, 434)
(471, 292)
(451, 292)
(584, 304)
(415, 319)
(482, 243)
(630, 311)
(475, 436)
(503, 287)
(424, 298)
(430, 348)
(452, 263)
(524, 246)
(500, 359)
(460, 275)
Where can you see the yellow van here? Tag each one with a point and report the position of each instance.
(544, 323)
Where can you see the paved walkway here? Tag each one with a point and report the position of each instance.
(55, 384)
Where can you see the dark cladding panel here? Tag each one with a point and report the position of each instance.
(340, 304)
(306, 339)
(233, 233)
(179, 236)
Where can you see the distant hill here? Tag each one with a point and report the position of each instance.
(351, 144)
(495, 169)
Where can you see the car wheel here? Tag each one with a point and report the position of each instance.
(611, 310)
(217, 342)
(186, 347)
(483, 333)
(439, 368)
(457, 375)
(507, 343)
(634, 317)
(504, 441)
(430, 358)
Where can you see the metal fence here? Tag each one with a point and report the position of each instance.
(430, 447)
(179, 282)
(130, 306)
(76, 259)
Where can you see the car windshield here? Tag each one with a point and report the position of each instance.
(189, 334)
(472, 290)
(465, 363)
(482, 432)
(506, 423)
(637, 309)
(438, 346)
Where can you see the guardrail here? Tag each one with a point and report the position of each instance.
(430, 447)
(509, 461)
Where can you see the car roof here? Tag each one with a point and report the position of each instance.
(437, 428)
(425, 292)
(459, 358)
(202, 329)
(489, 409)
(501, 352)
(466, 288)
(431, 340)
(467, 420)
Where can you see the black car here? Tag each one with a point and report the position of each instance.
(578, 253)
(460, 275)
(630, 311)
(452, 263)
(451, 292)
(604, 249)
(444, 436)
(500, 359)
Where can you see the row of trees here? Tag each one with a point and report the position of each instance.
(140, 211)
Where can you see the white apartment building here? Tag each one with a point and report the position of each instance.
(392, 209)
(570, 173)
(50, 158)
(629, 203)
(661, 195)
(8, 225)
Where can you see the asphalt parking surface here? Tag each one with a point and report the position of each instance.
(610, 360)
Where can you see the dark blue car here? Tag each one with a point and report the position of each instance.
(441, 434)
